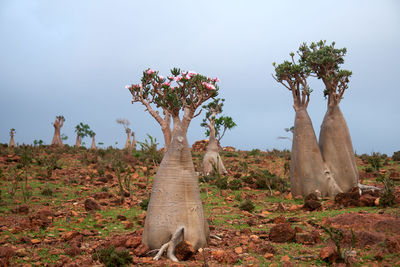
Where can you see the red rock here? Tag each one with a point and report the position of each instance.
(133, 242)
(141, 250)
(367, 200)
(73, 251)
(308, 238)
(328, 254)
(90, 204)
(311, 205)
(282, 233)
(184, 251)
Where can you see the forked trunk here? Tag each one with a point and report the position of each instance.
(12, 142)
(212, 158)
(56, 141)
(93, 143)
(175, 201)
(166, 130)
(78, 141)
(128, 140)
(337, 148)
(308, 172)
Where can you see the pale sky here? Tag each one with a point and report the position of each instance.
(74, 58)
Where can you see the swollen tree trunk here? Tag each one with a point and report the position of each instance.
(56, 141)
(133, 144)
(337, 149)
(175, 204)
(78, 141)
(212, 158)
(12, 142)
(166, 130)
(93, 143)
(308, 172)
(128, 140)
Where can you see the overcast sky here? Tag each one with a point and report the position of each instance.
(74, 58)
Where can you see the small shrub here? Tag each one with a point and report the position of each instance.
(396, 156)
(369, 169)
(47, 192)
(221, 182)
(110, 257)
(235, 184)
(387, 198)
(375, 160)
(255, 152)
(247, 205)
(144, 203)
(207, 178)
(104, 189)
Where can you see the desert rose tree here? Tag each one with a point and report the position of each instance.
(175, 211)
(58, 123)
(148, 100)
(308, 172)
(12, 142)
(213, 124)
(82, 130)
(126, 124)
(334, 140)
(92, 135)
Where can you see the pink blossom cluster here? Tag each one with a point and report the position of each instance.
(214, 80)
(208, 86)
(150, 71)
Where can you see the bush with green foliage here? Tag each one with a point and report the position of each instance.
(149, 152)
(387, 199)
(247, 205)
(112, 258)
(396, 156)
(144, 203)
(375, 160)
(221, 182)
(235, 184)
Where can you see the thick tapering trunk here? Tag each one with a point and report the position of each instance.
(128, 140)
(212, 158)
(12, 142)
(175, 201)
(133, 144)
(308, 172)
(93, 143)
(56, 141)
(78, 141)
(337, 148)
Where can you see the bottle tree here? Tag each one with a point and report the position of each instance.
(58, 123)
(175, 211)
(126, 124)
(308, 171)
(212, 159)
(334, 140)
(133, 143)
(147, 99)
(82, 130)
(12, 142)
(92, 135)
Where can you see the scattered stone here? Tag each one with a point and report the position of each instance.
(312, 205)
(225, 257)
(349, 198)
(90, 204)
(328, 254)
(73, 251)
(367, 200)
(308, 238)
(141, 250)
(23, 209)
(35, 241)
(184, 251)
(121, 218)
(282, 233)
(238, 250)
(133, 242)
(69, 235)
(268, 256)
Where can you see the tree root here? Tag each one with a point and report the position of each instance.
(216, 237)
(176, 238)
(364, 187)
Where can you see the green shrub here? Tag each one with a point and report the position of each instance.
(47, 192)
(221, 182)
(144, 203)
(235, 184)
(112, 258)
(396, 156)
(247, 205)
(255, 152)
(387, 198)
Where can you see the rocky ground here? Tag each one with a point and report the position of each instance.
(75, 207)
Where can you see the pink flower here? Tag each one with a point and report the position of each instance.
(150, 71)
(178, 78)
(167, 83)
(216, 79)
(171, 78)
(187, 77)
(192, 73)
(161, 77)
(127, 86)
(208, 86)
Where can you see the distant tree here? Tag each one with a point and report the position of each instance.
(58, 123)
(12, 142)
(81, 130)
(92, 135)
(128, 131)
(213, 125)
(37, 142)
(334, 139)
(133, 143)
